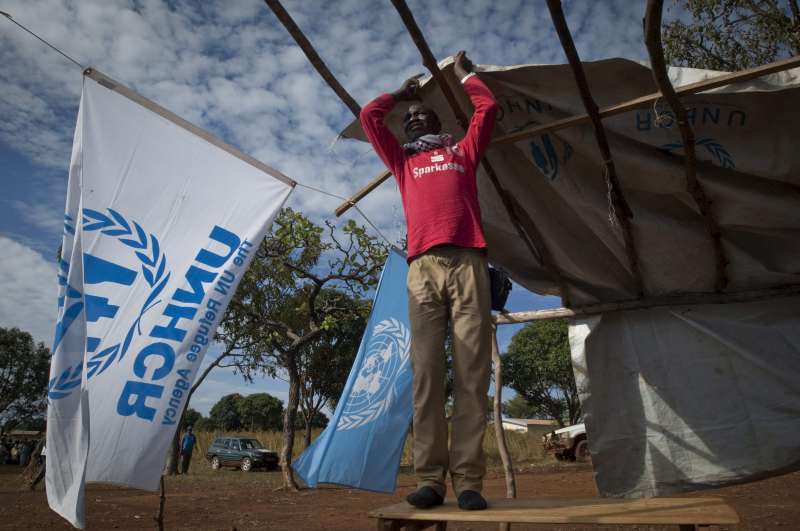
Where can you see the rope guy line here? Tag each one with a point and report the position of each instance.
(309, 187)
(9, 17)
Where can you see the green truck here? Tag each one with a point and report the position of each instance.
(241, 452)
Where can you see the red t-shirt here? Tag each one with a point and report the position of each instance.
(438, 187)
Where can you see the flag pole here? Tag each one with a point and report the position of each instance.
(159, 517)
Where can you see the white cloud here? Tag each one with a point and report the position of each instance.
(38, 214)
(29, 288)
(231, 68)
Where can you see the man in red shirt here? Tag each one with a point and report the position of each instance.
(448, 282)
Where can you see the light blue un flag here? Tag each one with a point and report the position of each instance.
(362, 445)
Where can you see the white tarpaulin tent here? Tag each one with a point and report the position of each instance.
(678, 397)
(746, 136)
(681, 398)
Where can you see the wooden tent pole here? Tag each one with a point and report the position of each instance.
(616, 197)
(429, 60)
(162, 500)
(649, 99)
(361, 194)
(499, 432)
(652, 29)
(612, 110)
(683, 299)
(312, 55)
(538, 249)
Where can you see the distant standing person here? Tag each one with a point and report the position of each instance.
(25, 454)
(187, 447)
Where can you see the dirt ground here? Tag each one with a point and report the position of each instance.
(230, 499)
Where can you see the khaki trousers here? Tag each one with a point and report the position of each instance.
(450, 284)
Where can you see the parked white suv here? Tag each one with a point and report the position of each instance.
(568, 443)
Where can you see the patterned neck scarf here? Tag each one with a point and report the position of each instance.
(428, 143)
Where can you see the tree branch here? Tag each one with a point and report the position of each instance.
(208, 369)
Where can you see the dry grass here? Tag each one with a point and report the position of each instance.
(524, 448)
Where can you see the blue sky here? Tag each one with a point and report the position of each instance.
(231, 68)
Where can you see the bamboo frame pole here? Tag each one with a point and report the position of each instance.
(538, 249)
(499, 432)
(649, 99)
(683, 299)
(105, 81)
(429, 60)
(612, 110)
(361, 194)
(652, 30)
(312, 55)
(162, 499)
(616, 197)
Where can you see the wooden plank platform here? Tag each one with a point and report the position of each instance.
(649, 511)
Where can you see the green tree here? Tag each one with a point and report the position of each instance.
(279, 306)
(24, 370)
(325, 363)
(261, 411)
(320, 420)
(733, 34)
(225, 413)
(539, 368)
(519, 408)
(204, 424)
(190, 418)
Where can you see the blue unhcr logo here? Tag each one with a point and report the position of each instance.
(98, 272)
(546, 157)
(711, 146)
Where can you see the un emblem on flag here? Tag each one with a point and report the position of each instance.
(387, 355)
(144, 253)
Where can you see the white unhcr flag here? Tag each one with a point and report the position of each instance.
(162, 221)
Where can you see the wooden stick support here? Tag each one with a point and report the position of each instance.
(312, 55)
(683, 299)
(105, 81)
(499, 432)
(689, 512)
(652, 28)
(618, 205)
(648, 100)
(361, 194)
(159, 517)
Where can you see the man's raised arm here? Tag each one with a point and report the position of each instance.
(372, 121)
(481, 125)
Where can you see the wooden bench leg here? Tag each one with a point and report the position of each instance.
(388, 525)
(419, 525)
